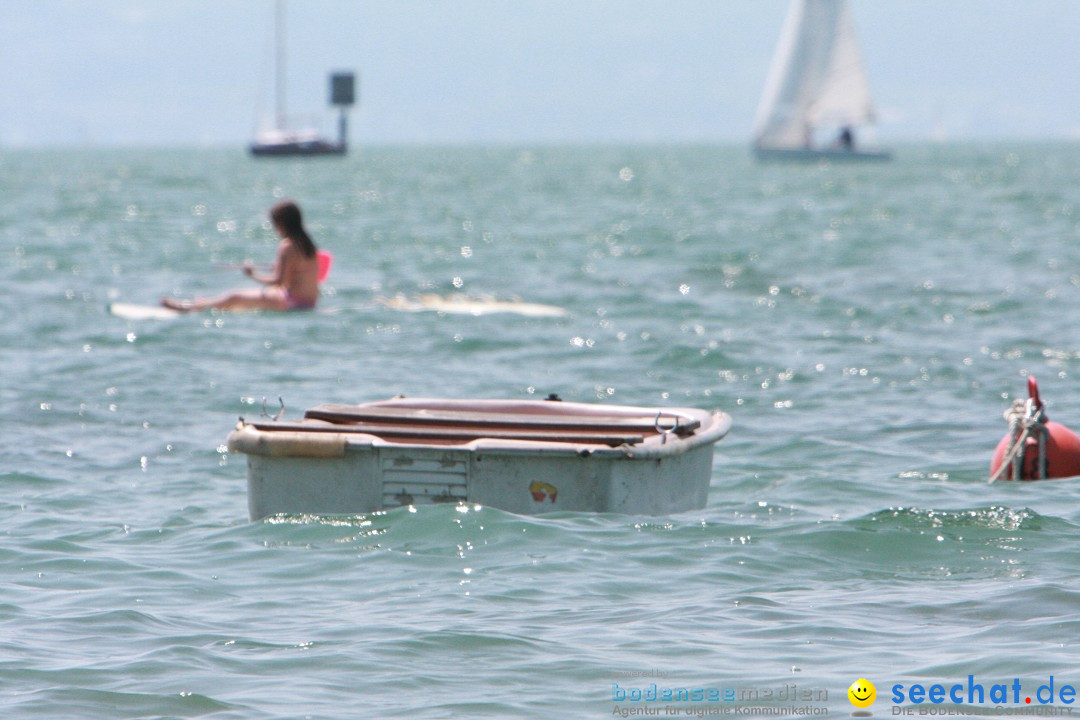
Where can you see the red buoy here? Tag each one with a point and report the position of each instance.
(1035, 447)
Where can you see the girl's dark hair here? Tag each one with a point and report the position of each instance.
(286, 215)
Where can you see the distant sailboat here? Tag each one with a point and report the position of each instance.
(282, 141)
(817, 82)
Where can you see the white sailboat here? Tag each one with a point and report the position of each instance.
(817, 84)
(282, 140)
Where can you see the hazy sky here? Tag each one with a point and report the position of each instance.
(192, 72)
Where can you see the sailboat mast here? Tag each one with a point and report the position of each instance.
(279, 60)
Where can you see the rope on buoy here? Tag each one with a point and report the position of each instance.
(1025, 418)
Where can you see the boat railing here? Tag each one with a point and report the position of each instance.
(453, 435)
(661, 423)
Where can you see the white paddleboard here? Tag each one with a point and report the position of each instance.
(468, 305)
(132, 311)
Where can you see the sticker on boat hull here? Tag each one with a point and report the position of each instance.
(542, 490)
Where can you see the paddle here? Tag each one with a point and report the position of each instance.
(324, 257)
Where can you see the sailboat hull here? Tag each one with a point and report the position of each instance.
(296, 149)
(819, 155)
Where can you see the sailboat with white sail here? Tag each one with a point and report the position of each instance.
(281, 140)
(817, 85)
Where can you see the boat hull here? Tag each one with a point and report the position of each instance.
(296, 149)
(324, 471)
(810, 155)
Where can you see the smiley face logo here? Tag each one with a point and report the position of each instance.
(862, 693)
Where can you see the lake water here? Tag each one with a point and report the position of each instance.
(865, 326)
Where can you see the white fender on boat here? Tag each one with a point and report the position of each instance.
(251, 441)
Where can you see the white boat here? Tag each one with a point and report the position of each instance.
(280, 140)
(817, 94)
(523, 456)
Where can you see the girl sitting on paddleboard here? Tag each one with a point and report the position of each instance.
(293, 284)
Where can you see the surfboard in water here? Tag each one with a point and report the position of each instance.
(468, 305)
(132, 311)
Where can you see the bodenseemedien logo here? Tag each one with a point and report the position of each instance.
(788, 700)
